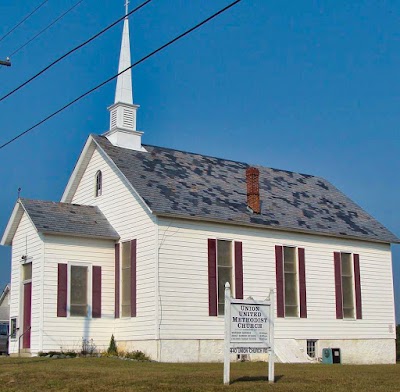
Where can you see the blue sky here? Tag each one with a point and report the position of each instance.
(308, 86)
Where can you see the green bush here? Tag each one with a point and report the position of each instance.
(137, 355)
(398, 342)
(112, 348)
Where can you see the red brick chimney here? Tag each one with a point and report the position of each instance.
(253, 189)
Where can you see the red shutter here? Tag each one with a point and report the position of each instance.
(357, 285)
(302, 283)
(96, 292)
(338, 285)
(133, 278)
(62, 290)
(238, 270)
(280, 303)
(117, 252)
(212, 277)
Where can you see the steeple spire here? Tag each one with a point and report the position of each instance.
(123, 92)
(123, 132)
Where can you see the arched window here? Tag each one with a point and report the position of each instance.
(99, 183)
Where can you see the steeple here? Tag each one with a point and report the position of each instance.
(123, 132)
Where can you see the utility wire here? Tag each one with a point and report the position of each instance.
(23, 20)
(46, 28)
(126, 69)
(74, 50)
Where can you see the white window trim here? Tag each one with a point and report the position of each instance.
(98, 191)
(89, 288)
(353, 286)
(296, 253)
(120, 280)
(233, 288)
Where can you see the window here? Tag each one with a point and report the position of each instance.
(3, 330)
(27, 272)
(13, 328)
(347, 285)
(79, 291)
(311, 348)
(126, 280)
(225, 264)
(99, 184)
(291, 296)
(291, 282)
(224, 271)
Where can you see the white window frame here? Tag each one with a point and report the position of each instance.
(353, 286)
(232, 242)
(14, 338)
(120, 278)
(89, 290)
(315, 348)
(98, 190)
(296, 254)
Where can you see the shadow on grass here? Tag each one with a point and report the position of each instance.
(255, 378)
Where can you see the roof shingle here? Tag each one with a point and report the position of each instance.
(185, 184)
(68, 219)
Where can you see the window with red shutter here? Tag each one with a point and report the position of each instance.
(290, 270)
(128, 278)
(347, 285)
(225, 264)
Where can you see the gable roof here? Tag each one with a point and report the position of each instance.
(4, 305)
(188, 185)
(4, 294)
(50, 217)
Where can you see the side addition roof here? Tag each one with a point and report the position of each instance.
(195, 186)
(61, 218)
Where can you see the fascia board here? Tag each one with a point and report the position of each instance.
(73, 180)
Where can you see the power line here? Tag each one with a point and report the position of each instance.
(23, 20)
(73, 50)
(46, 28)
(126, 69)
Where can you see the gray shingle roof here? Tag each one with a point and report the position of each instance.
(191, 185)
(68, 219)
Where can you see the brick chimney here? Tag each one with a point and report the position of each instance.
(253, 189)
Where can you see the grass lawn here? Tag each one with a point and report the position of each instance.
(108, 374)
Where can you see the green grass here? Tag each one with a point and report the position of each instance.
(108, 374)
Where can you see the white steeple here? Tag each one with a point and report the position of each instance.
(123, 132)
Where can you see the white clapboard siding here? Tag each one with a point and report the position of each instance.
(26, 242)
(131, 218)
(183, 282)
(66, 333)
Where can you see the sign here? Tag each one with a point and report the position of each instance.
(248, 329)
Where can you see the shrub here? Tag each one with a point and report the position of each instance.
(112, 348)
(398, 342)
(137, 355)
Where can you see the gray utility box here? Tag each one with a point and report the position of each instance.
(331, 355)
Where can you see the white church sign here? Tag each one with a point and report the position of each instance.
(249, 329)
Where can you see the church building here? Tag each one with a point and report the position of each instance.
(144, 239)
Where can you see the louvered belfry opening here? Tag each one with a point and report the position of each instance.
(253, 189)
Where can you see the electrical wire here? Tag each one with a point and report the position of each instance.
(46, 28)
(126, 69)
(74, 50)
(23, 20)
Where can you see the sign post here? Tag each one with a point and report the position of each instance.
(249, 329)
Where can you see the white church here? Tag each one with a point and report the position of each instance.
(144, 239)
